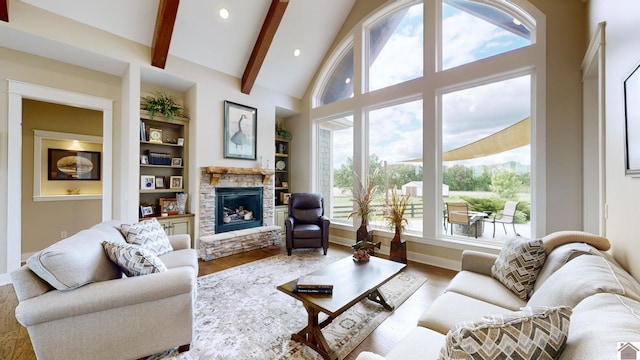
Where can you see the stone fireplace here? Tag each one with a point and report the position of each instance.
(235, 185)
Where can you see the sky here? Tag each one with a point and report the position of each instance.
(395, 132)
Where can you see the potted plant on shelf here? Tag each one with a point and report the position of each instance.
(363, 195)
(394, 214)
(281, 131)
(163, 104)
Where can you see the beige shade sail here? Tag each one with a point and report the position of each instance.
(512, 137)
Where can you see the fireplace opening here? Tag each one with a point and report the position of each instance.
(238, 208)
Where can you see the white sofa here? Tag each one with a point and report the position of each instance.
(97, 313)
(604, 298)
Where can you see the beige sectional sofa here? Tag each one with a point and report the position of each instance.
(605, 303)
(80, 306)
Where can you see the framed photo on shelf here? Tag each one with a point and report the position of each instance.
(73, 165)
(147, 182)
(176, 161)
(155, 135)
(144, 159)
(146, 210)
(180, 142)
(175, 182)
(159, 182)
(284, 197)
(240, 123)
(168, 206)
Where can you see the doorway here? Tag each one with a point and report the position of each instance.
(593, 136)
(17, 91)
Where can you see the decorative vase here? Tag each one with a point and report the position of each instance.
(398, 250)
(181, 199)
(364, 233)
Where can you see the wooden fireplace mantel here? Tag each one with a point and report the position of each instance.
(217, 171)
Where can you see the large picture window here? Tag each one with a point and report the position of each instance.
(432, 117)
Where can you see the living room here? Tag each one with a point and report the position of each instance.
(570, 27)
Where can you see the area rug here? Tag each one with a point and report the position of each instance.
(241, 315)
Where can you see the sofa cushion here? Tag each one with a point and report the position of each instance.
(133, 260)
(582, 277)
(599, 323)
(485, 288)
(527, 334)
(559, 257)
(568, 236)
(518, 265)
(77, 260)
(451, 308)
(149, 234)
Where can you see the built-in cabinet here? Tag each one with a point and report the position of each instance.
(177, 224)
(281, 213)
(163, 170)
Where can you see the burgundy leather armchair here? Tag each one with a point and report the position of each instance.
(306, 225)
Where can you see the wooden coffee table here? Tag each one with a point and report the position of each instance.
(352, 282)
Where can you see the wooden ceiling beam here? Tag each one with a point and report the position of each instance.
(260, 49)
(4, 10)
(166, 19)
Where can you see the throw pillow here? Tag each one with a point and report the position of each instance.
(133, 260)
(518, 265)
(539, 333)
(562, 237)
(149, 234)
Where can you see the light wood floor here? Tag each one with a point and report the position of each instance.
(15, 343)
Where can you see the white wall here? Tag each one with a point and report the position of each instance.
(623, 193)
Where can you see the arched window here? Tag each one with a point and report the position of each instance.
(428, 109)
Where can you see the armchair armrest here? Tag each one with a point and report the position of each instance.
(180, 241)
(105, 295)
(478, 262)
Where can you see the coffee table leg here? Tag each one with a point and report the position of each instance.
(312, 335)
(376, 296)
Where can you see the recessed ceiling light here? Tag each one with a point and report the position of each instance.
(296, 52)
(347, 80)
(516, 21)
(224, 13)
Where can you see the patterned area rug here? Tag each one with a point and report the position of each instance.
(241, 315)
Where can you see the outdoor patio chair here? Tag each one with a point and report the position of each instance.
(506, 216)
(458, 214)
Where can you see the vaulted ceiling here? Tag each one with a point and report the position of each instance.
(256, 43)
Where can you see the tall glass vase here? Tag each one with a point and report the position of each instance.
(181, 199)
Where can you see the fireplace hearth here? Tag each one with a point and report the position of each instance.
(238, 208)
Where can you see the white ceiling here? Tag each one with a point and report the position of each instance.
(202, 37)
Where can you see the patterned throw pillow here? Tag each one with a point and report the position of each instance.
(539, 333)
(149, 234)
(518, 265)
(133, 260)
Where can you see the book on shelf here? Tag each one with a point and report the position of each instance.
(314, 282)
(296, 289)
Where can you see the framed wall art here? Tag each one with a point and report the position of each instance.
(73, 165)
(632, 122)
(240, 122)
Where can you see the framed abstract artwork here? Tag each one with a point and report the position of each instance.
(73, 165)
(240, 122)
